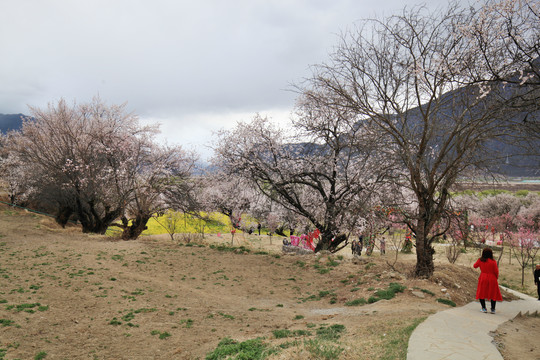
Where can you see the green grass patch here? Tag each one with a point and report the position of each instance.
(147, 310)
(397, 341)
(285, 333)
(323, 350)
(322, 294)
(447, 302)
(40, 355)
(390, 293)
(281, 333)
(356, 302)
(369, 266)
(332, 332)
(386, 294)
(6, 322)
(332, 263)
(427, 292)
(254, 349)
(226, 316)
(188, 323)
(29, 308)
(115, 322)
(162, 335)
(228, 248)
(321, 269)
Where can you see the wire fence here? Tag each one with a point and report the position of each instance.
(27, 209)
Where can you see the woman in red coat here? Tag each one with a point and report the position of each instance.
(488, 287)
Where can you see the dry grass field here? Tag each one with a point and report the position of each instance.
(68, 295)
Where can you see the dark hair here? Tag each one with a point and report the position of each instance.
(487, 253)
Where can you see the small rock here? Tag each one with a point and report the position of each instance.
(419, 294)
(444, 290)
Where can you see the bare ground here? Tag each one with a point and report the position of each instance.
(518, 338)
(79, 296)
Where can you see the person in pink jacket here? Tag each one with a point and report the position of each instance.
(488, 286)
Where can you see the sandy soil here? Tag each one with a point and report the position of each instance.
(79, 296)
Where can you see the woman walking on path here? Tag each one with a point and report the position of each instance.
(488, 286)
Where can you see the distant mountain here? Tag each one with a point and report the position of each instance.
(515, 161)
(10, 122)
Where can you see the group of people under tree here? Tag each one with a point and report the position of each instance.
(358, 245)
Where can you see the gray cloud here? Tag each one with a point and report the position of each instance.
(170, 60)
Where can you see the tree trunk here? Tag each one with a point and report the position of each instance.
(138, 225)
(63, 215)
(424, 252)
(326, 243)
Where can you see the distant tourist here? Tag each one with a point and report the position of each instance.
(360, 245)
(488, 286)
(383, 246)
(537, 279)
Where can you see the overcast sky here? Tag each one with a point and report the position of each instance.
(195, 66)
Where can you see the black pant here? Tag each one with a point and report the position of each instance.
(538, 289)
(483, 303)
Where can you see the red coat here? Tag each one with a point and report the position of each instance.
(488, 287)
